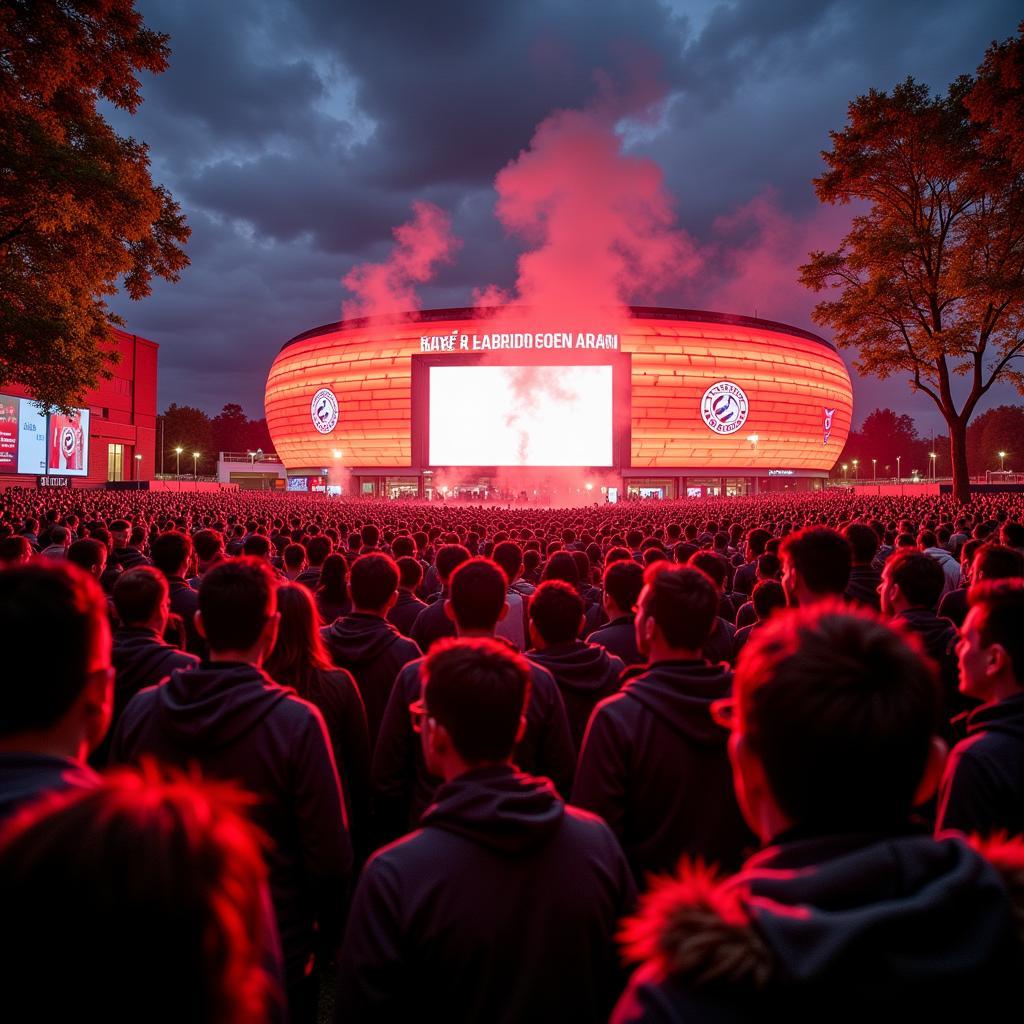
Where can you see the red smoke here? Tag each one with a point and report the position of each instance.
(600, 221)
(387, 288)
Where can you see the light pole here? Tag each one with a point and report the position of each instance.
(138, 468)
(855, 463)
(1002, 462)
(874, 469)
(899, 475)
(177, 467)
(844, 472)
(931, 455)
(195, 460)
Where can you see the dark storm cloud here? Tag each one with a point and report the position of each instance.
(297, 134)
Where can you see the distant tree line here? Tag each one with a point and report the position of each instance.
(192, 430)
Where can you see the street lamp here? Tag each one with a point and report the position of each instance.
(138, 467)
(931, 455)
(844, 472)
(195, 460)
(899, 474)
(1002, 462)
(177, 471)
(874, 469)
(855, 463)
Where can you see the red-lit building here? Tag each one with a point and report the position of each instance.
(658, 402)
(117, 423)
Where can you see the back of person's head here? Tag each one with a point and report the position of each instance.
(171, 552)
(863, 542)
(448, 557)
(841, 710)
(623, 581)
(927, 539)
(1000, 617)
(318, 548)
(15, 549)
(257, 546)
(682, 602)
(334, 576)
(583, 567)
(120, 529)
(562, 566)
(294, 557)
(58, 535)
(410, 572)
(509, 556)
(919, 577)
(768, 596)
(683, 552)
(769, 566)
(821, 557)
(713, 564)
(299, 647)
(556, 611)
(756, 540)
(55, 634)
(138, 594)
(159, 916)
(531, 559)
(372, 581)
(88, 554)
(236, 598)
(208, 544)
(370, 535)
(997, 562)
(476, 591)
(477, 689)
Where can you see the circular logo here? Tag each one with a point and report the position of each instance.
(724, 407)
(68, 442)
(324, 410)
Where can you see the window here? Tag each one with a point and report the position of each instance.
(115, 461)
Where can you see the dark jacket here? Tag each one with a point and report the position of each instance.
(232, 721)
(953, 606)
(585, 674)
(500, 908)
(25, 778)
(185, 602)
(329, 609)
(309, 577)
(402, 786)
(836, 928)
(373, 651)
(939, 637)
(719, 645)
(862, 588)
(432, 624)
(745, 579)
(654, 765)
(983, 786)
(128, 558)
(403, 614)
(618, 637)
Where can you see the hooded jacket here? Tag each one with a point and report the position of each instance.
(862, 587)
(404, 613)
(950, 567)
(654, 765)
(585, 674)
(235, 723)
(834, 928)
(432, 624)
(373, 651)
(983, 786)
(939, 636)
(402, 786)
(26, 777)
(618, 637)
(500, 908)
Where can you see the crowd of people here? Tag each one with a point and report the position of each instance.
(270, 758)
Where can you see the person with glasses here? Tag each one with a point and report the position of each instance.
(852, 908)
(503, 905)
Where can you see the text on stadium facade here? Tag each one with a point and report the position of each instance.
(517, 340)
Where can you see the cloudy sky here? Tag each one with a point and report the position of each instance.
(296, 134)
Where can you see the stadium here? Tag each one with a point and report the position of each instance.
(494, 403)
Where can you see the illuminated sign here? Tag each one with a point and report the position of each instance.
(828, 414)
(780, 472)
(724, 407)
(324, 410)
(37, 445)
(496, 341)
(53, 481)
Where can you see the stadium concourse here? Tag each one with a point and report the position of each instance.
(367, 753)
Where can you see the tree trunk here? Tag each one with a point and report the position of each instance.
(958, 460)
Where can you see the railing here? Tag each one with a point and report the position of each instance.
(253, 458)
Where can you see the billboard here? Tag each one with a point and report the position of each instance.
(23, 434)
(68, 443)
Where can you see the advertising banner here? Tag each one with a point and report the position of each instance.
(68, 447)
(9, 434)
(31, 438)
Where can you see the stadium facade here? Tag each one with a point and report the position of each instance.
(654, 402)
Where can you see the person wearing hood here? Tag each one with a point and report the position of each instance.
(502, 906)
(402, 783)
(407, 606)
(623, 580)
(909, 591)
(850, 910)
(983, 786)
(57, 703)
(862, 588)
(585, 673)
(654, 762)
(929, 544)
(233, 722)
(364, 642)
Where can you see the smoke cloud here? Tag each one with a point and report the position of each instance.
(388, 288)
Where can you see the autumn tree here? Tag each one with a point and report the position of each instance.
(929, 281)
(78, 209)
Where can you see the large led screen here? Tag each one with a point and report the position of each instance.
(69, 443)
(484, 415)
(31, 443)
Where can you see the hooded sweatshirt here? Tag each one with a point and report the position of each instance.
(654, 765)
(501, 908)
(373, 651)
(939, 638)
(26, 777)
(833, 928)
(950, 568)
(235, 723)
(585, 674)
(618, 637)
(983, 786)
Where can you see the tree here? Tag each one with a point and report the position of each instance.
(929, 281)
(883, 435)
(190, 430)
(78, 209)
(998, 430)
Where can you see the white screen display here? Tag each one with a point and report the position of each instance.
(69, 443)
(520, 416)
(31, 439)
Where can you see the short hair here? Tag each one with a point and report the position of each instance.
(768, 566)
(120, 526)
(683, 602)
(256, 546)
(477, 592)
(767, 596)
(562, 566)
(51, 618)
(235, 600)
(170, 551)
(403, 546)
(137, 594)
(448, 557)
(556, 610)
(713, 564)
(207, 544)
(372, 580)
(370, 535)
(318, 548)
(756, 540)
(1002, 612)
(172, 878)
(998, 562)
(863, 542)
(623, 581)
(840, 707)
(477, 689)
(294, 555)
(821, 557)
(410, 572)
(16, 548)
(86, 553)
(919, 577)
(509, 556)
